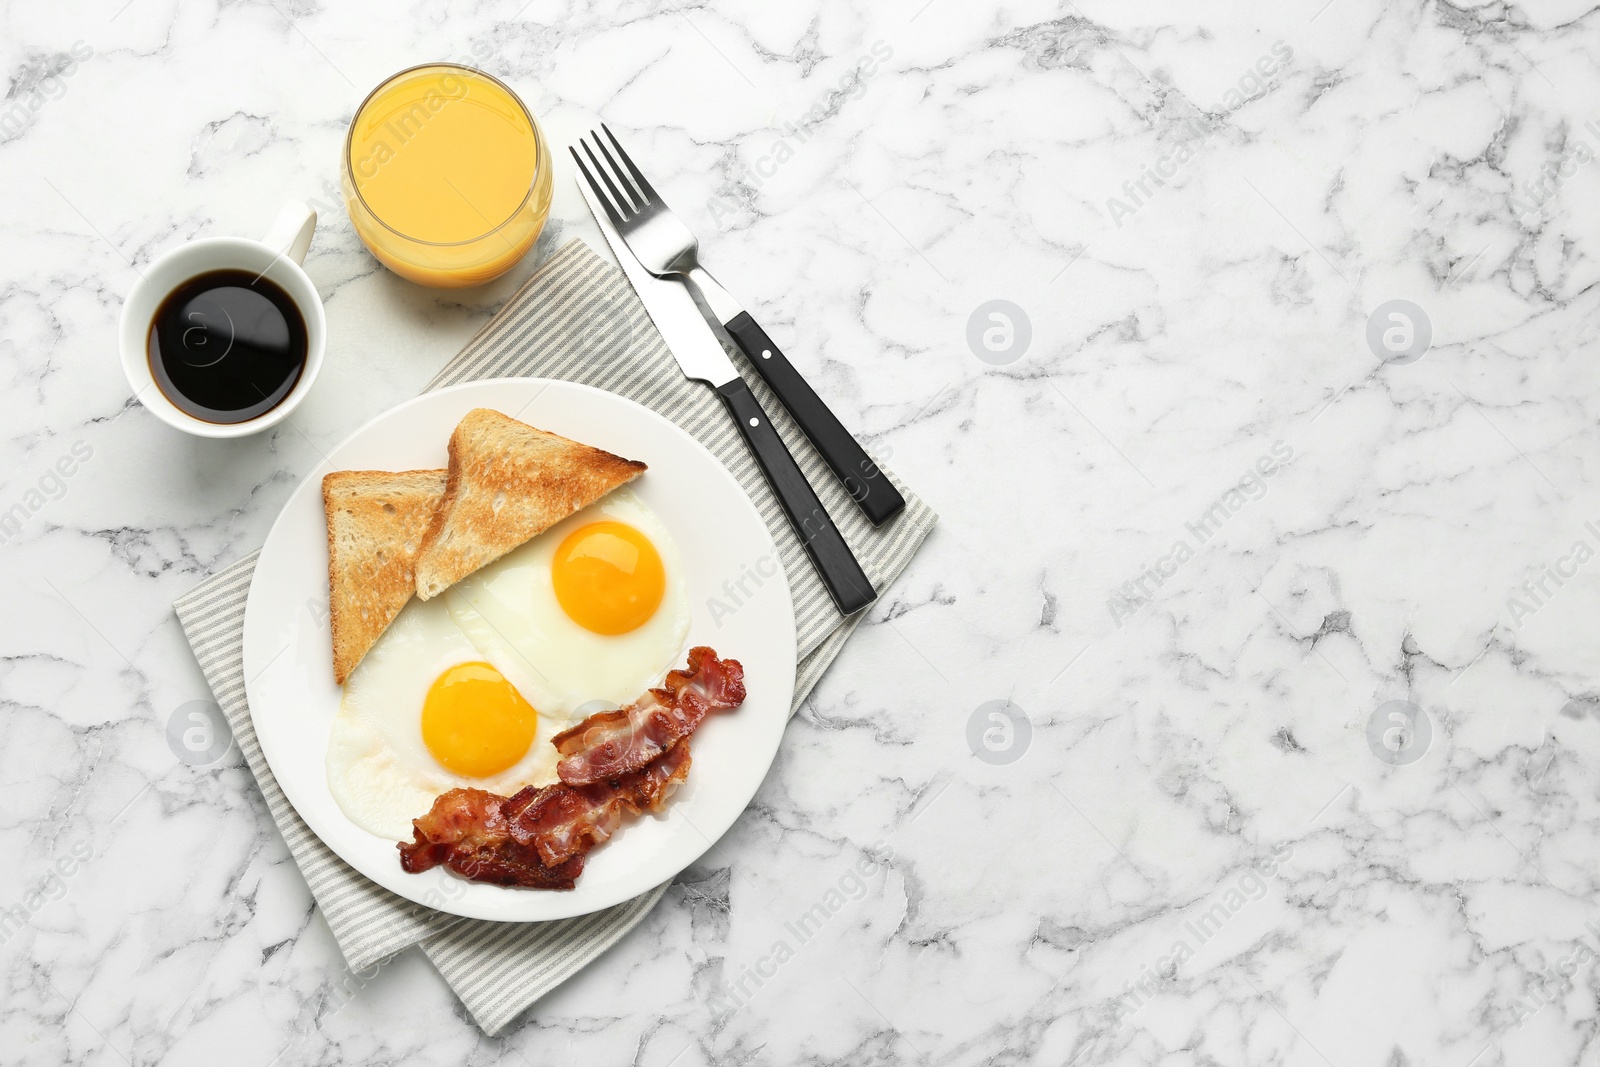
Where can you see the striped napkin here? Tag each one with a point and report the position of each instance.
(576, 318)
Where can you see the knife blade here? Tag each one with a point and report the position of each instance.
(671, 307)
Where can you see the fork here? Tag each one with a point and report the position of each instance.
(666, 247)
(694, 343)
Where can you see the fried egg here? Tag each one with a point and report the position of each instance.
(424, 712)
(466, 689)
(593, 611)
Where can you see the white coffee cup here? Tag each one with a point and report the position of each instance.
(277, 257)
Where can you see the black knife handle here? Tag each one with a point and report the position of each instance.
(847, 583)
(866, 484)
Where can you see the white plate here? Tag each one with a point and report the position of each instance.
(288, 659)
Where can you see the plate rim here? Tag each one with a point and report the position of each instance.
(417, 893)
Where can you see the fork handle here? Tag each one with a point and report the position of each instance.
(867, 485)
(836, 565)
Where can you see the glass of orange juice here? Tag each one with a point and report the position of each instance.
(446, 175)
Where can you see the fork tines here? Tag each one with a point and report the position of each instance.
(627, 199)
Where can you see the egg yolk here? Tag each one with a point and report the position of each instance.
(475, 722)
(608, 577)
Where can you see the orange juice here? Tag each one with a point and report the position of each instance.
(446, 175)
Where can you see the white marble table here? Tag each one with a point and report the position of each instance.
(1302, 626)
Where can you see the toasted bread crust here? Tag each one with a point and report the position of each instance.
(376, 524)
(508, 482)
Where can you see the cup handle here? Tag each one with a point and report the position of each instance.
(290, 233)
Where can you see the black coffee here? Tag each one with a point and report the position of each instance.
(227, 346)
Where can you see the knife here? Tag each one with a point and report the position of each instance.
(700, 356)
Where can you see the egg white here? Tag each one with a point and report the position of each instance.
(510, 612)
(380, 771)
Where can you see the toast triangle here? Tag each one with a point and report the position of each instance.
(376, 524)
(508, 483)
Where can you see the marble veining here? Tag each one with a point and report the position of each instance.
(1153, 756)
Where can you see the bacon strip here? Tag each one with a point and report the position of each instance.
(613, 743)
(564, 821)
(467, 831)
(617, 763)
